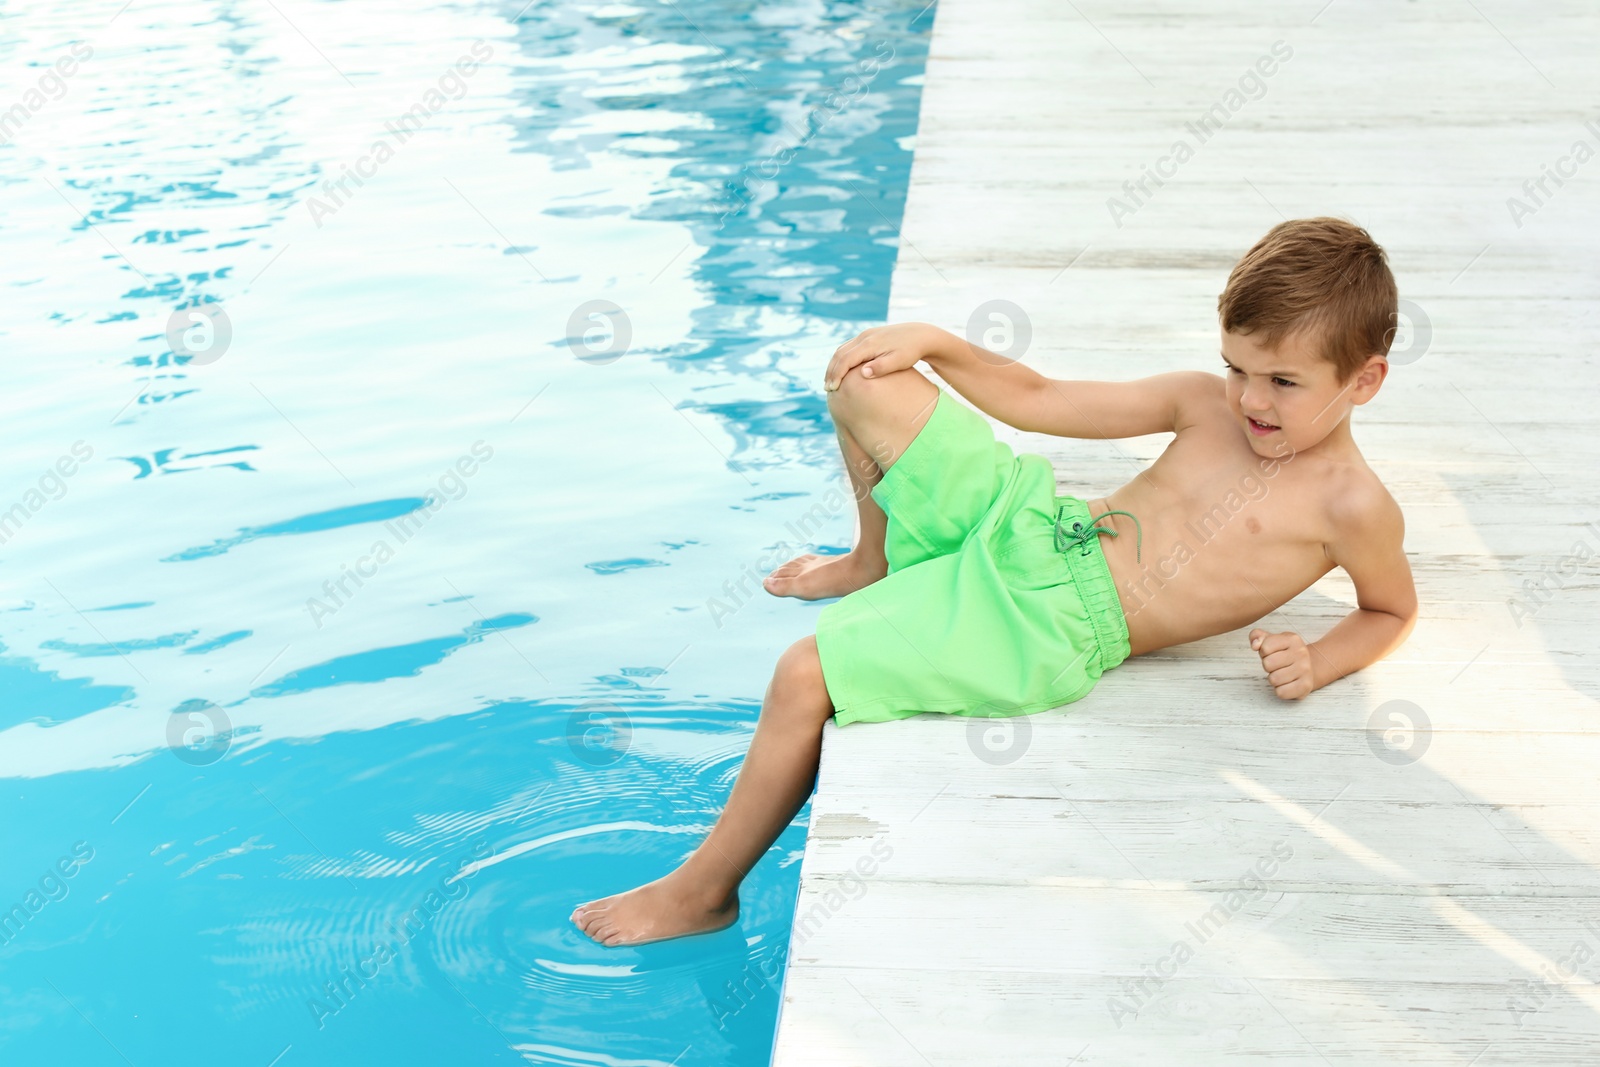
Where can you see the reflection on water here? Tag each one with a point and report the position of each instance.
(448, 625)
(354, 515)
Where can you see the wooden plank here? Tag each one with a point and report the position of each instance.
(1410, 846)
(1264, 931)
(903, 1017)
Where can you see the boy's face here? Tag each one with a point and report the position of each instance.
(1288, 398)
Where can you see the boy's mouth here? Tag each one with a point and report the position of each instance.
(1260, 429)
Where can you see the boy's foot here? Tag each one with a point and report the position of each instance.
(813, 577)
(655, 911)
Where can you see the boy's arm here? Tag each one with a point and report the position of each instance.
(1368, 546)
(1020, 396)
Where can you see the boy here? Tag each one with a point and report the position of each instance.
(976, 589)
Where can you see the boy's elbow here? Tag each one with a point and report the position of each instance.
(1408, 622)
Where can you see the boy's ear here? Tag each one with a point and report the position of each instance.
(1369, 378)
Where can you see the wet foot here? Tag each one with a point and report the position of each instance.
(813, 577)
(655, 911)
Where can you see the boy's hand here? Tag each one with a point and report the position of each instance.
(878, 351)
(1286, 659)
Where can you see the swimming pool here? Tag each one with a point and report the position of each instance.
(398, 412)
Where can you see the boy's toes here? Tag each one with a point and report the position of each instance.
(788, 570)
(783, 577)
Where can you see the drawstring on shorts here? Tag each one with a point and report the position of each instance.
(1084, 534)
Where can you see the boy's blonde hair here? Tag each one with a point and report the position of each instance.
(1321, 274)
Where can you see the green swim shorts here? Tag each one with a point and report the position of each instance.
(989, 608)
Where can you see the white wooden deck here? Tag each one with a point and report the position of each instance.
(1054, 909)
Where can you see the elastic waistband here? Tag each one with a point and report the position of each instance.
(1086, 561)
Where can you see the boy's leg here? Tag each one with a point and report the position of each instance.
(875, 419)
(779, 772)
(865, 472)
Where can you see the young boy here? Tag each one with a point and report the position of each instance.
(976, 589)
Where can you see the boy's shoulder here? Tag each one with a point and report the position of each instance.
(1202, 397)
(1358, 504)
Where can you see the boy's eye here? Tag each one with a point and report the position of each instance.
(1275, 381)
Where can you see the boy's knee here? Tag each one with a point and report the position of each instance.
(849, 393)
(857, 392)
(799, 678)
(856, 388)
(801, 659)
(799, 670)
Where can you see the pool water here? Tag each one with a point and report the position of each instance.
(399, 409)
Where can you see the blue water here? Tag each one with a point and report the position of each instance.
(377, 562)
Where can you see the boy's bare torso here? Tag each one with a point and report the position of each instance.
(1229, 535)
